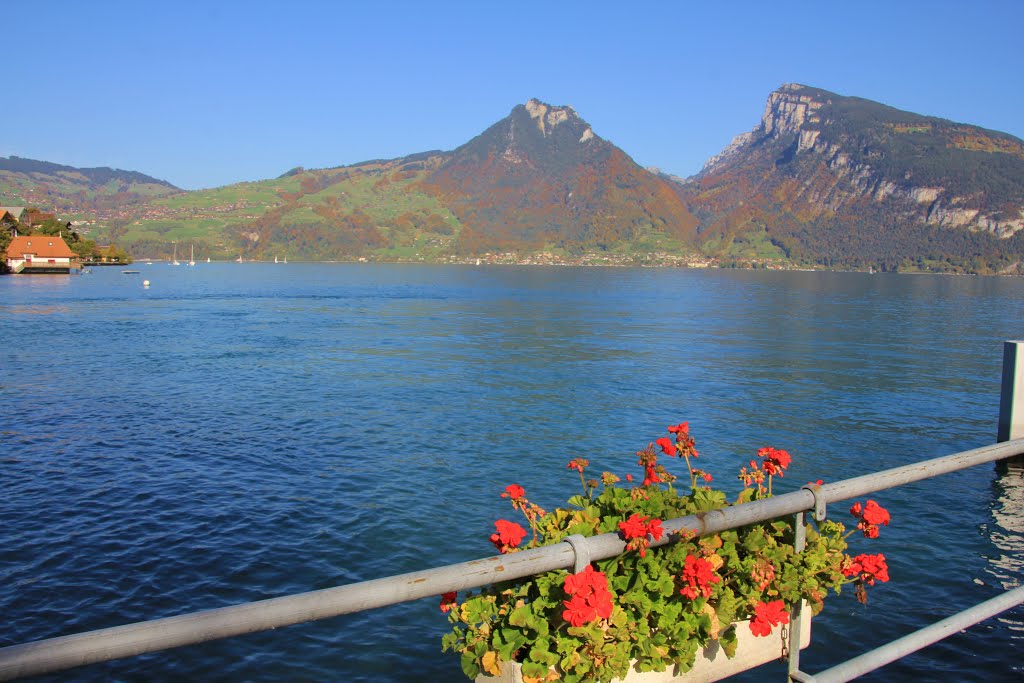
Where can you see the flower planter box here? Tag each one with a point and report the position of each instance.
(743, 571)
(710, 665)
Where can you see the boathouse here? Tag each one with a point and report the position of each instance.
(40, 254)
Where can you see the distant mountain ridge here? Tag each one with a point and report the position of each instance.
(69, 190)
(98, 175)
(822, 180)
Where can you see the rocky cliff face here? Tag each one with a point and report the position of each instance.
(845, 151)
(787, 109)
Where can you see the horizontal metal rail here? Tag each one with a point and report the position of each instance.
(65, 652)
(908, 644)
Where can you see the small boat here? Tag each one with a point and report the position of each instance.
(238, 260)
(207, 259)
(130, 272)
(192, 256)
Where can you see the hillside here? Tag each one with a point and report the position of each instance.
(366, 209)
(71, 191)
(539, 180)
(823, 180)
(843, 181)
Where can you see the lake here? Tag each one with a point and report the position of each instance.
(235, 432)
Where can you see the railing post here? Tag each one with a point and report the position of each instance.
(796, 622)
(1011, 399)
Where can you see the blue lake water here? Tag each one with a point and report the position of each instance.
(237, 432)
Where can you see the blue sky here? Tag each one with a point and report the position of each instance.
(204, 94)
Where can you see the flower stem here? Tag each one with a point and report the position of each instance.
(693, 478)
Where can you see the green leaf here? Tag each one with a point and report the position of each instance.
(579, 501)
(507, 641)
(534, 669)
(540, 653)
(470, 665)
(746, 495)
(729, 641)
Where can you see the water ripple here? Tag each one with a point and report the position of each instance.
(237, 433)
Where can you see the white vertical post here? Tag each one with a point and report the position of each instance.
(1011, 400)
(796, 621)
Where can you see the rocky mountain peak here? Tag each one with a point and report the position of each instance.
(547, 117)
(789, 108)
(792, 109)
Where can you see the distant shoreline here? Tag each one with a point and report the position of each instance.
(583, 262)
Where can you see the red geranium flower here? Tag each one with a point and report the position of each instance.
(868, 568)
(681, 428)
(448, 601)
(869, 517)
(875, 513)
(634, 527)
(508, 536)
(514, 491)
(698, 575)
(767, 615)
(667, 447)
(585, 582)
(578, 611)
(589, 597)
(775, 460)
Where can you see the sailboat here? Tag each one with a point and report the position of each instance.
(275, 259)
(175, 261)
(286, 259)
(207, 259)
(192, 256)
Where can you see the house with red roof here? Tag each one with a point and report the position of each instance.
(12, 215)
(40, 254)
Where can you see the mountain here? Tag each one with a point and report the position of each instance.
(538, 181)
(66, 189)
(542, 178)
(823, 180)
(844, 181)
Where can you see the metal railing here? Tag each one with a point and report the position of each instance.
(160, 634)
(65, 652)
(901, 647)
